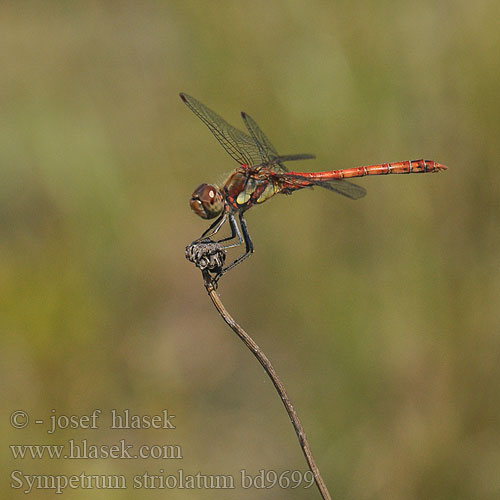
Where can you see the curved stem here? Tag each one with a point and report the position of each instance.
(266, 364)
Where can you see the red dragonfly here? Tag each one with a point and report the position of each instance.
(261, 174)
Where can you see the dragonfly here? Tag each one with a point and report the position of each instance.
(261, 174)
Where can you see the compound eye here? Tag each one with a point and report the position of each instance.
(206, 201)
(211, 195)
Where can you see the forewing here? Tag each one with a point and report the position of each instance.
(240, 146)
(303, 156)
(278, 164)
(266, 149)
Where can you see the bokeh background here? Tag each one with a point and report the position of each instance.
(381, 315)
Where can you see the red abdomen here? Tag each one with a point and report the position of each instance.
(399, 167)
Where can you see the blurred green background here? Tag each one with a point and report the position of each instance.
(381, 316)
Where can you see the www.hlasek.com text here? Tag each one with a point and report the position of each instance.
(83, 449)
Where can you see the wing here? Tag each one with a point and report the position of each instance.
(292, 180)
(343, 187)
(303, 156)
(266, 149)
(240, 146)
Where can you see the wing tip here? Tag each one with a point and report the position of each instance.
(183, 96)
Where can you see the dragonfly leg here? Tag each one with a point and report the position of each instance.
(215, 226)
(235, 233)
(248, 246)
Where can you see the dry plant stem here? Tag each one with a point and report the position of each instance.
(264, 361)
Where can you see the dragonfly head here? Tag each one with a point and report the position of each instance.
(207, 201)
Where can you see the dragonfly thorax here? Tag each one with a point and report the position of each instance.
(207, 201)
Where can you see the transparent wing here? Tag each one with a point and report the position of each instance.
(343, 187)
(266, 149)
(292, 180)
(303, 156)
(240, 146)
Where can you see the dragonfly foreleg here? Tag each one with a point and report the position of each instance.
(214, 227)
